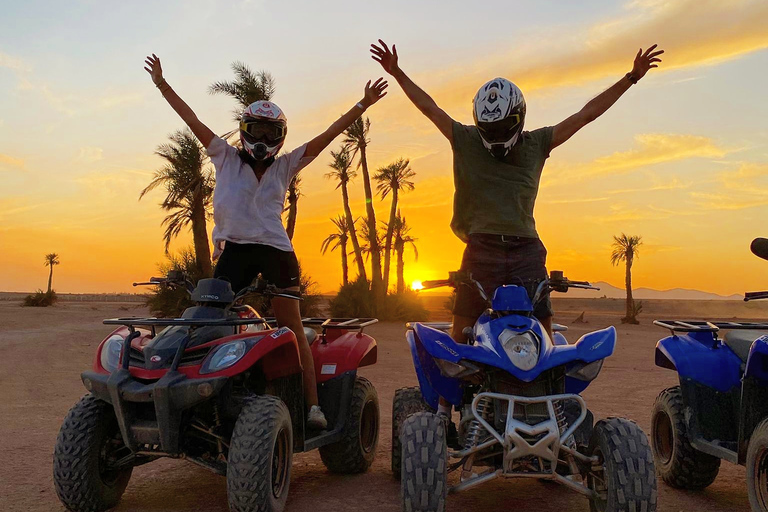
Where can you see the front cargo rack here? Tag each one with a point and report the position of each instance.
(189, 322)
(705, 326)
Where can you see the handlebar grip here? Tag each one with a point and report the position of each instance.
(437, 283)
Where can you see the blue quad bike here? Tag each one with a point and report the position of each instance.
(720, 409)
(522, 416)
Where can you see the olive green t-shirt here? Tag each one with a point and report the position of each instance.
(496, 196)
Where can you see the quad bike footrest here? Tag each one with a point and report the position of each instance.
(150, 413)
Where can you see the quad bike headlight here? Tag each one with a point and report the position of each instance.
(224, 356)
(110, 352)
(522, 348)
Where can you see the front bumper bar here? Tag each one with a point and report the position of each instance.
(150, 413)
(520, 440)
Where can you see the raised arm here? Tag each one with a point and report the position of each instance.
(595, 108)
(373, 93)
(155, 70)
(417, 95)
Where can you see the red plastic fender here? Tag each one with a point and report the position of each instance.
(277, 352)
(340, 351)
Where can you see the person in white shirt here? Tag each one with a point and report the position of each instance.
(248, 202)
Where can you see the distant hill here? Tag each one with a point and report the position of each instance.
(612, 292)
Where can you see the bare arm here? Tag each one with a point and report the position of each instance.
(605, 100)
(202, 132)
(417, 95)
(373, 93)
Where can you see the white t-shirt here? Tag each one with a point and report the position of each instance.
(247, 210)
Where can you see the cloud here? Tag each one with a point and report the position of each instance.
(13, 63)
(738, 189)
(670, 184)
(7, 161)
(693, 33)
(651, 149)
(88, 155)
(577, 200)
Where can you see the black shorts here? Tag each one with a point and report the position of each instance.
(242, 263)
(496, 260)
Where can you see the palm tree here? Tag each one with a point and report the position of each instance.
(247, 87)
(292, 196)
(356, 138)
(338, 240)
(51, 260)
(625, 249)
(189, 186)
(365, 233)
(392, 178)
(342, 171)
(401, 237)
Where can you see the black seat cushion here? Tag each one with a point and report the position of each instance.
(311, 334)
(740, 341)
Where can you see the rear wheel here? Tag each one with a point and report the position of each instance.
(757, 468)
(260, 453)
(91, 465)
(355, 452)
(679, 464)
(407, 401)
(623, 477)
(424, 472)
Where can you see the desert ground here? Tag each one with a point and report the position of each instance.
(44, 351)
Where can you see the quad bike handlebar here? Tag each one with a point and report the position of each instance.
(179, 279)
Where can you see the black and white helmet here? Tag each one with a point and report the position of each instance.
(499, 112)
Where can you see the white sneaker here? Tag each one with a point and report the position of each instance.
(316, 419)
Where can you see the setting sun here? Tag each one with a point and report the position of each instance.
(416, 285)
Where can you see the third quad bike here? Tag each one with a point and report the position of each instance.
(522, 415)
(719, 411)
(220, 387)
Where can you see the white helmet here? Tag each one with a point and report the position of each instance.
(263, 128)
(499, 112)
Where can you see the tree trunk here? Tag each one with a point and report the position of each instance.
(630, 301)
(388, 240)
(293, 211)
(373, 241)
(400, 249)
(200, 237)
(344, 264)
(50, 279)
(353, 232)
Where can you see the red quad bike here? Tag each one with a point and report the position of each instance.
(220, 387)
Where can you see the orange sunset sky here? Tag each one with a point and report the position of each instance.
(681, 159)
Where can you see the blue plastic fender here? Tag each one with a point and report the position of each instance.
(757, 362)
(488, 350)
(433, 384)
(698, 356)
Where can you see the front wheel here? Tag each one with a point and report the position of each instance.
(679, 463)
(424, 471)
(355, 452)
(260, 453)
(91, 465)
(407, 401)
(623, 478)
(757, 468)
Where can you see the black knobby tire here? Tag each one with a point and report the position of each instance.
(679, 464)
(88, 436)
(407, 401)
(624, 477)
(260, 453)
(424, 472)
(757, 468)
(355, 452)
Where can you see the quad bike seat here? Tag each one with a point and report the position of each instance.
(740, 341)
(311, 334)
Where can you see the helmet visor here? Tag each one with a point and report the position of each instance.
(257, 130)
(501, 130)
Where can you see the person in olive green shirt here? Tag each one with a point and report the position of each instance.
(497, 169)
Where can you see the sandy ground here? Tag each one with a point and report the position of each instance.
(44, 350)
